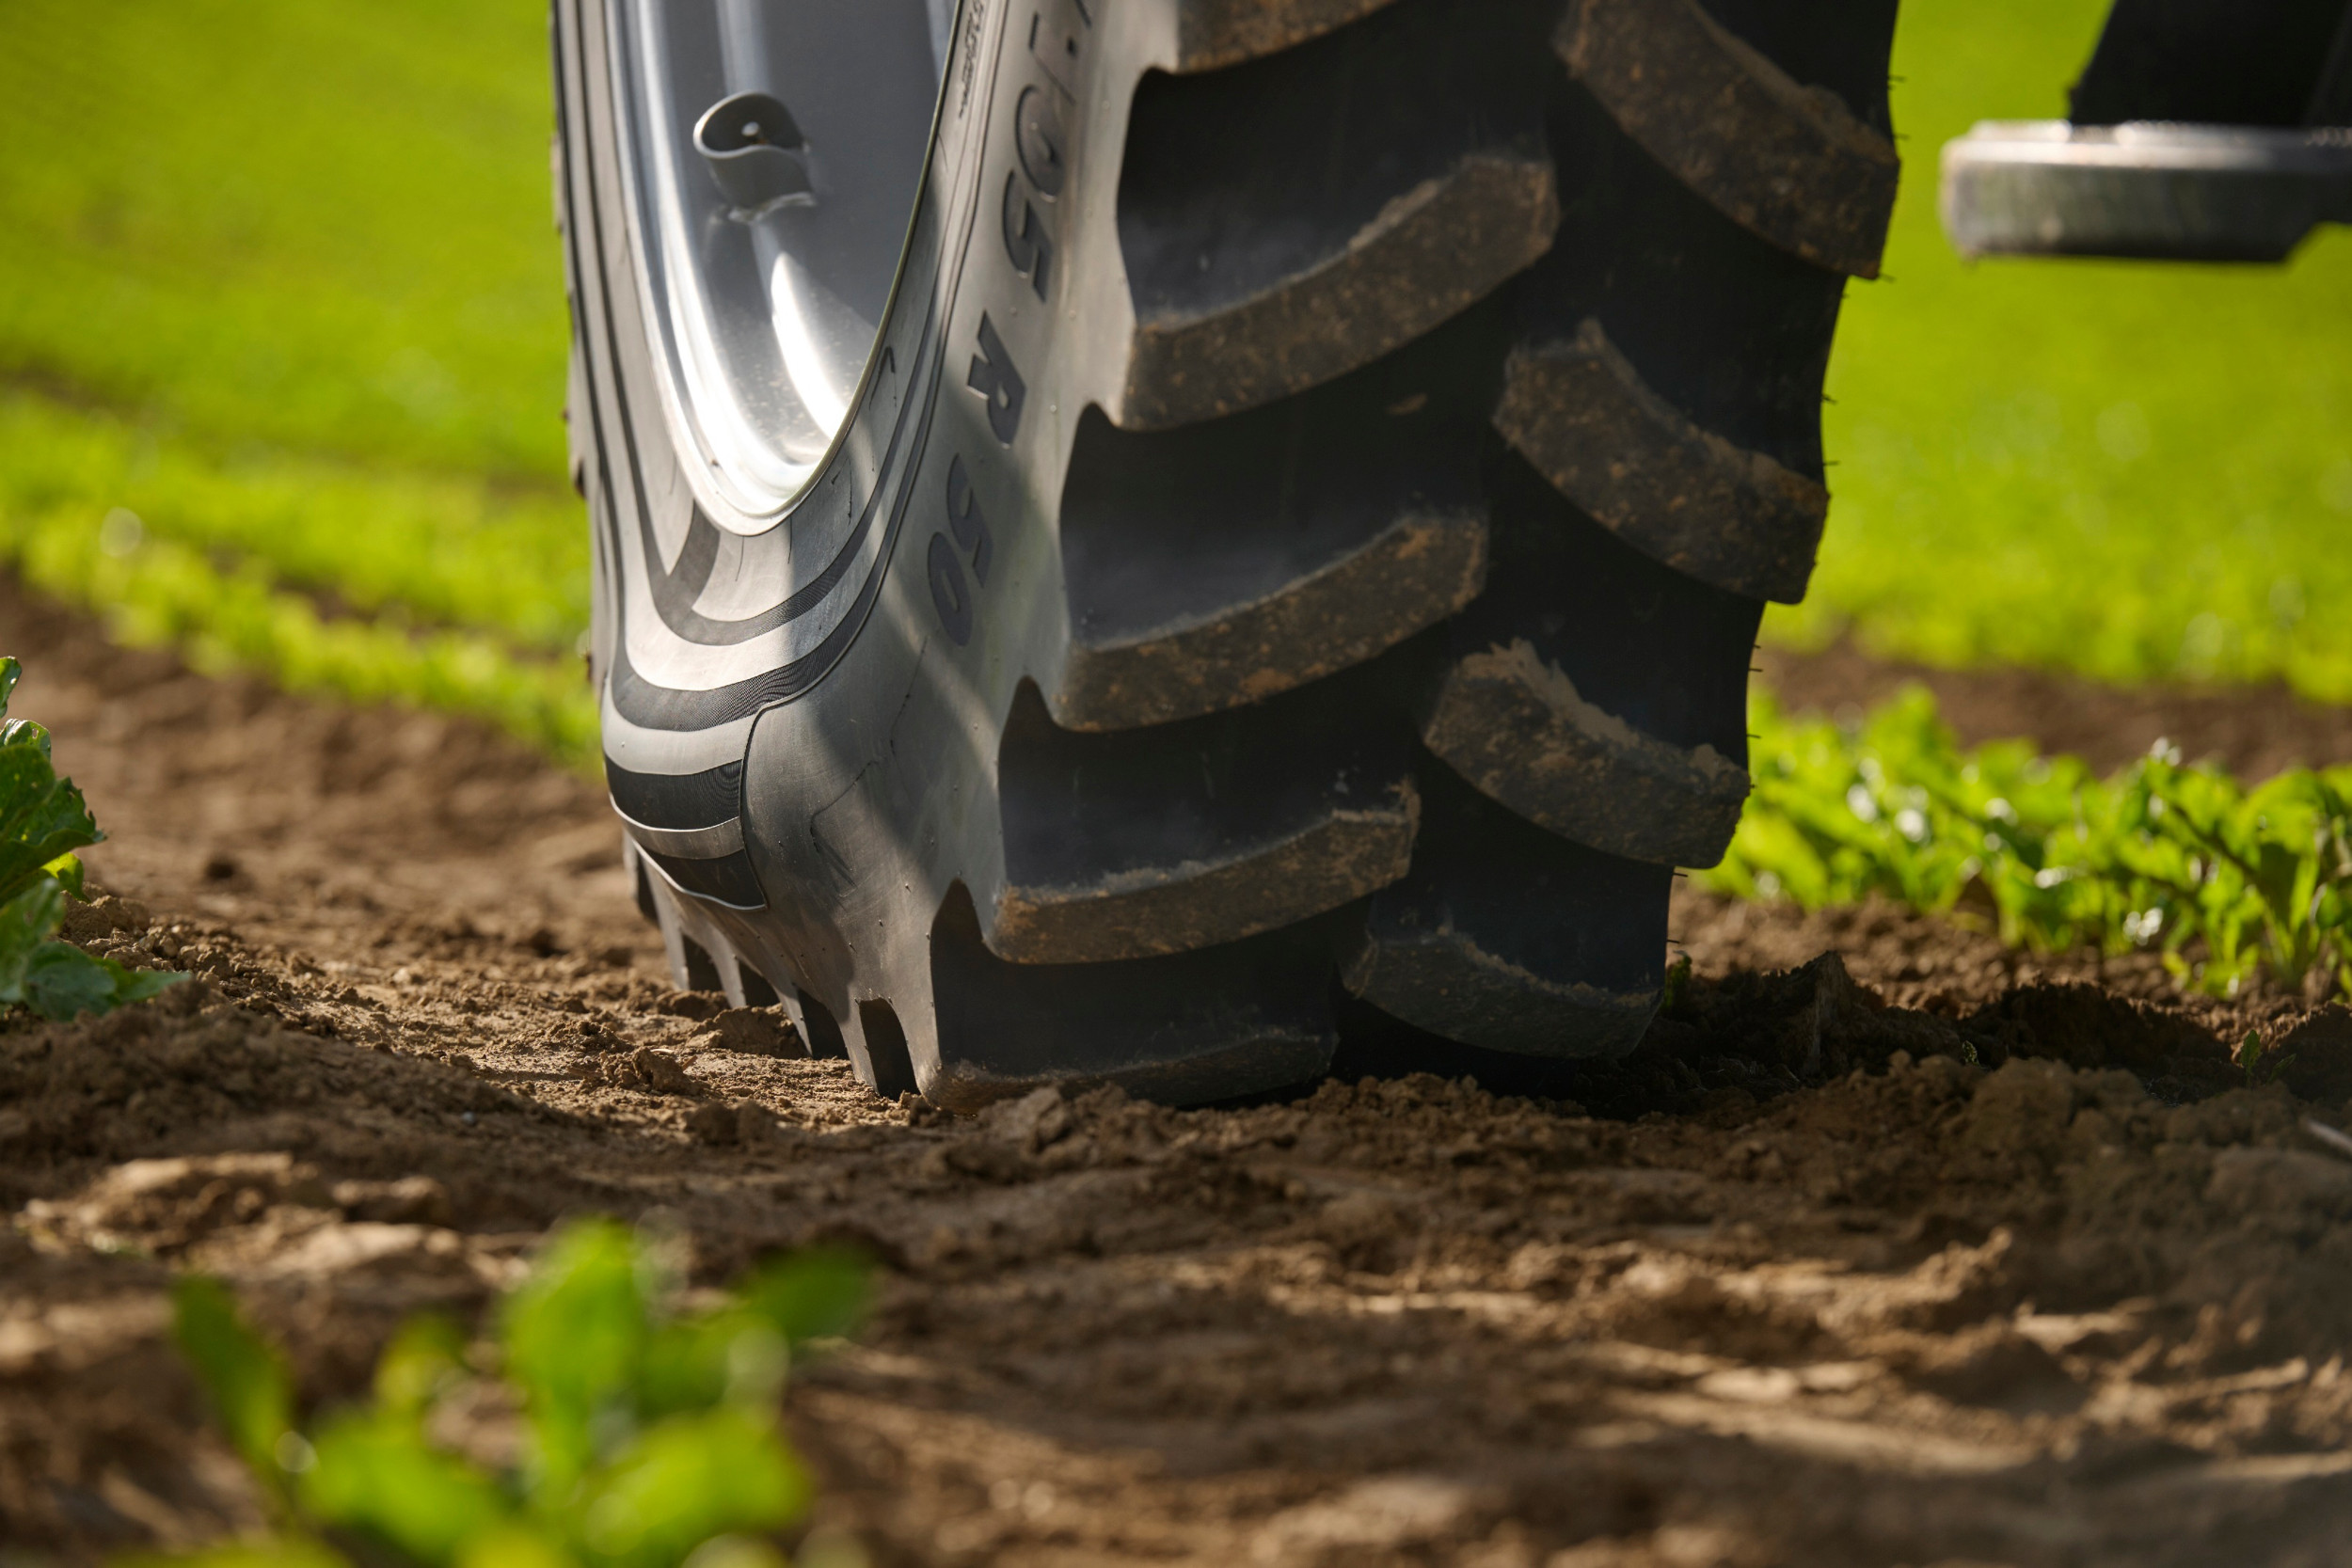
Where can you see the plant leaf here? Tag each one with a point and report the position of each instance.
(728, 1355)
(41, 816)
(814, 1294)
(689, 1478)
(250, 1386)
(516, 1544)
(26, 921)
(424, 1357)
(61, 980)
(575, 1336)
(376, 1474)
(66, 870)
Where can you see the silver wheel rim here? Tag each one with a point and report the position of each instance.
(767, 241)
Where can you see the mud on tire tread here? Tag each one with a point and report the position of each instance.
(1327, 467)
(1788, 160)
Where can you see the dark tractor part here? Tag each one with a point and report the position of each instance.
(2201, 130)
(1271, 534)
(2213, 62)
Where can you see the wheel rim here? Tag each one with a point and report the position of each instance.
(771, 157)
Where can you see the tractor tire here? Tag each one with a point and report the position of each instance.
(1297, 550)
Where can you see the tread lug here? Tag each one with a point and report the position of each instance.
(1239, 1018)
(1214, 33)
(1418, 567)
(1366, 187)
(1595, 692)
(1132, 844)
(1514, 725)
(1231, 560)
(1789, 162)
(1581, 414)
(1453, 949)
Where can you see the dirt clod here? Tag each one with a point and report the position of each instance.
(756, 1032)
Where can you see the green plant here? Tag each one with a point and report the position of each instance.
(1676, 993)
(2260, 1060)
(652, 1432)
(43, 819)
(2226, 881)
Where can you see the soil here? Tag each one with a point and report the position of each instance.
(2253, 730)
(1887, 1246)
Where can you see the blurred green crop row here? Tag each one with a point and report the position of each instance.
(448, 548)
(238, 613)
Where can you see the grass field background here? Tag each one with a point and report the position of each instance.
(281, 339)
(2136, 471)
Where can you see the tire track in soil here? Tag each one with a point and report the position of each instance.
(1816, 1291)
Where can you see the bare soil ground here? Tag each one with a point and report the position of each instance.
(1918, 1253)
(2254, 731)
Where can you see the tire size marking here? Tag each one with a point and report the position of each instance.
(1039, 140)
(1057, 41)
(993, 377)
(951, 596)
(1058, 31)
(963, 515)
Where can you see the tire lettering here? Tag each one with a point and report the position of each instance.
(1030, 251)
(950, 596)
(1038, 136)
(992, 376)
(963, 515)
(1057, 36)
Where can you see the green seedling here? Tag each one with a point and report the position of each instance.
(1676, 993)
(2261, 1064)
(652, 1433)
(43, 820)
(2227, 884)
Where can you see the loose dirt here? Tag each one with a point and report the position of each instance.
(1887, 1246)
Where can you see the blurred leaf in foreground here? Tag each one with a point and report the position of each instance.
(654, 1432)
(247, 1380)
